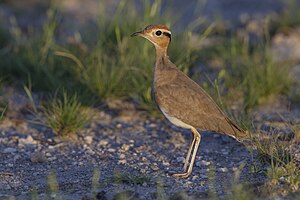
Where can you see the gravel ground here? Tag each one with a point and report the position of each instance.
(147, 149)
(133, 154)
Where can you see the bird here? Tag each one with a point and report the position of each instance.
(181, 100)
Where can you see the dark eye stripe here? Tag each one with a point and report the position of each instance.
(167, 34)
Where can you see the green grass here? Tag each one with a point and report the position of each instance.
(65, 115)
(248, 71)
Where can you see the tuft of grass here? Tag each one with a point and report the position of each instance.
(65, 115)
(119, 66)
(283, 173)
(53, 187)
(126, 178)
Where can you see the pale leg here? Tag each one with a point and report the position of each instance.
(197, 138)
(187, 159)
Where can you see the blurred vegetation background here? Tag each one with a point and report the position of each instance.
(85, 48)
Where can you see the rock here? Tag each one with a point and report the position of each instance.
(154, 167)
(111, 150)
(38, 157)
(202, 163)
(125, 147)
(122, 162)
(26, 141)
(122, 156)
(88, 139)
(286, 46)
(166, 163)
(103, 143)
(222, 169)
(180, 159)
(9, 150)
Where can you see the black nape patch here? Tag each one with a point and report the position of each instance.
(167, 34)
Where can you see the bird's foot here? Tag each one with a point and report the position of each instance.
(182, 175)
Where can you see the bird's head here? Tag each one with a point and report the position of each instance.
(159, 35)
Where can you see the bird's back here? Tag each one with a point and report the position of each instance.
(181, 98)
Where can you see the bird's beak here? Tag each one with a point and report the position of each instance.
(139, 33)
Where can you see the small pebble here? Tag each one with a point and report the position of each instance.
(166, 163)
(180, 159)
(111, 150)
(103, 142)
(202, 163)
(122, 156)
(88, 139)
(122, 162)
(154, 167)
(9, 150)
(24, 141)
(222, 169)
(38, 157)
(125, 147)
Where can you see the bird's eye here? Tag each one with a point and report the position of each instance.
(158, 33)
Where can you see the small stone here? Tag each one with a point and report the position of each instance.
(103, 142)
(38, 157)
(111, 150)
(48, 154)
(202, 163)
(195, 178)
(9, 150)
(122, 162)
(25, 141)
(88, 139)
(154, 167)
(145, 184)
(122, 156)
(223, 169)
(166, 163)
(180, 159)
(131, 141)
(119, 126)
(152, 125)
(125, 147)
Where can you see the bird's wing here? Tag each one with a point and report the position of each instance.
(185, 100)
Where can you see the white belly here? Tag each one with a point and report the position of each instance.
(176, 121)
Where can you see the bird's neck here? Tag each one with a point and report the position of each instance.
(161, 57)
